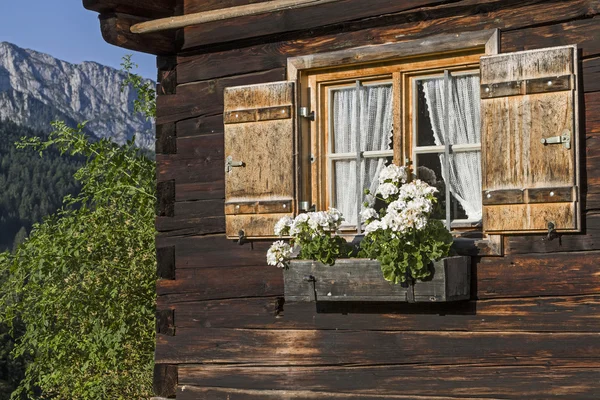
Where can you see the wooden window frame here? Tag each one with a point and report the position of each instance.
(395, 61)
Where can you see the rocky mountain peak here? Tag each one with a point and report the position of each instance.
(36, 88)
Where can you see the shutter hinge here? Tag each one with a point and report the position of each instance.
(565, 139)
(306, 114)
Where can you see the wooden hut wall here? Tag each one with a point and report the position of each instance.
(224, 332)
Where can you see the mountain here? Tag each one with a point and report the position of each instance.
(36, 88)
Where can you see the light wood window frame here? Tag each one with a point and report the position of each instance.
(395, 61)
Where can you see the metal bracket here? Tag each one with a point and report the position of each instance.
(305, 114)
(230, 164)
(242, 238)
(565, 139)
(312, 290)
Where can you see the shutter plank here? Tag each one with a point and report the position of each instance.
(513, 126)
(259, 132)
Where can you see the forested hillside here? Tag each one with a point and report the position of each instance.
(31, 186)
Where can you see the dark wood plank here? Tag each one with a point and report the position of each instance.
(188, 392)
(165, 322)
(165, 259)
(552, 274)
(522, 382)
(589, 240)
(165, 380)
(217, 250)
(166, 139)
(331, 347)
(548, 314)
(584, 33)
(591, 74)
(142, 8)
(201, 208)
(219, 283)
(166, 63)
(204, 125)
(165, 193)
(186, 226)
(406, 26)
(167, 82)
(208, 167)
(207, 146)
(201, 190)
(206, 98)
(200, 217)
(294, 20)
(592, 116)
(115, 29)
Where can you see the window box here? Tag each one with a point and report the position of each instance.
(361, 280)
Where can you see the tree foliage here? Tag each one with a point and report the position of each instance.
(31, 187)
(83, 283)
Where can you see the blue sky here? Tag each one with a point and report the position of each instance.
(65, 30)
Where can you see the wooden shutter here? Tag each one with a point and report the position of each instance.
(530, 141)
(259, 157)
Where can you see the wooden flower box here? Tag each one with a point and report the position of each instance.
(361, 280)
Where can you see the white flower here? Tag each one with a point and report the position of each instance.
(279, 254)
(368, 213)
(335, 218)
(387, 189)
(393, 173)
(299, 221)
(282, 227)
(374, 226)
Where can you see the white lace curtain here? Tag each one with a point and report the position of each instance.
(464, 127)
(374, 109)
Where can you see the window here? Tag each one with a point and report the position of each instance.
(400, 112)
(319, 138)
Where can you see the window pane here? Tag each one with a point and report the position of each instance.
(465, 184)
(430, 170)
(423, 119)
(373, 114)
(344, 189)
(343, 120)
(368, 123)
(453, 121)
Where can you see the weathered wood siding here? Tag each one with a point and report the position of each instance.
(531, 330)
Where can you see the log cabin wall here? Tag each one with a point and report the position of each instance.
(531, 328)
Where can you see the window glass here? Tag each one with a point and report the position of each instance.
(448, 121)
(361, 129)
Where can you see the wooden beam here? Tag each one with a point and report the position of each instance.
(115, 29)
(223, 14)
(141, 8)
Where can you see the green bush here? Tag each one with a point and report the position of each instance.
(83, 283)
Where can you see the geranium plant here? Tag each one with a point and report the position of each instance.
(402, 236)
(313, 233)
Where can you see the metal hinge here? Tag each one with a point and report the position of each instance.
(305, 114)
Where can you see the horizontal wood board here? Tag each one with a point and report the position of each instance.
(522, 382)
